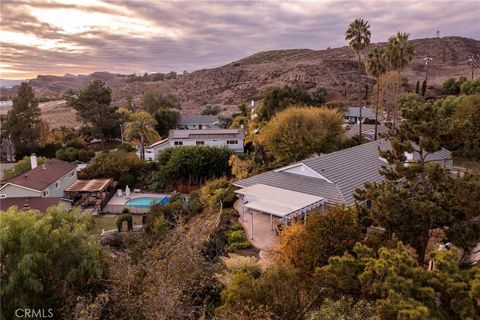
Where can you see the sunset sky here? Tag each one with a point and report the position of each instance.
(80, 37)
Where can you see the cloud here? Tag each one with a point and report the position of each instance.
(56, 37)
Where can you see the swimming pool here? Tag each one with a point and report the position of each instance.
(146, 202)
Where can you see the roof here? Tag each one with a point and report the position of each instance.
(207, 134)
(44, 175)
(36, 203)
(94, 185)
(158, 143)
(278, 201)
(341, 172)
(186, 120)
(355, 112)
(367, 129)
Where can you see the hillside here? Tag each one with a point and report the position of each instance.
(334, 69)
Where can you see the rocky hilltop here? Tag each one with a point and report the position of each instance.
(334, 69)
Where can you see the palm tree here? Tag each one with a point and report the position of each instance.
(399, 53)
(358, 34)
(376, 66)
(141, 128)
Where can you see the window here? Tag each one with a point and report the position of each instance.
(3, 196)
(71, 174)
(232, 141)
(57, 184)
(45, 193)
(178, 143)
(199, 143)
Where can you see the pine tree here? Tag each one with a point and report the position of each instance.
(424, 88)
(23, 122)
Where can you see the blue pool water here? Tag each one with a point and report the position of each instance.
(146, 202)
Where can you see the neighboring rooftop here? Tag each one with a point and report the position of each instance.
(44, 175)
(334, 176)
(367, 129)
(186, 120)
(27, 203)
(355, 112)
(207, 133)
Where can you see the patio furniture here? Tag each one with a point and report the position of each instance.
(137, 190)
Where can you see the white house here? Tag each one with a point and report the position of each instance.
(198, 122)
(46, 180)
(230, 138)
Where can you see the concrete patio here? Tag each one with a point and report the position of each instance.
(264, 237)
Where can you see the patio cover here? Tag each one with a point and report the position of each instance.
(278, 202)
(95, 185)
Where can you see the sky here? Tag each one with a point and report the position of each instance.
(137, 36)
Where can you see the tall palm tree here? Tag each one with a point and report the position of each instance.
(376, 66)
(399, 53)
(358, 34)
(141, 127)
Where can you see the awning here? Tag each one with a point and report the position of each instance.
(277, 201)
(94, 185)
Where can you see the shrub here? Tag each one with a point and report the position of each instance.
(194, 202)
(126, 147)
(125, 217)
(76, 144)
(216, 191)
(237, 239)
(85, 155)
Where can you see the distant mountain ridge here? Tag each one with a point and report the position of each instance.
(334, 69)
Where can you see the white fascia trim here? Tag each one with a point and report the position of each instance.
(20, 186)
(318, 175)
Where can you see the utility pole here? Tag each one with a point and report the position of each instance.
(427, 60)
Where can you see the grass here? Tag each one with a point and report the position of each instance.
(108, 222)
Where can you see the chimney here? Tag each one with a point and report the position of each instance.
(33, 161)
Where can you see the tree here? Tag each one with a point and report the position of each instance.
(400, 288)
(23, 122)
(358, 34)
(299, 132)
(20, 167)
(418, 194)
(46, 258)
(62, 134)
(424, 87)
(376, 66)
(93, 106)
(141, 128)
(166, 119)
(470, 87)
(417, 87)
(399, 52)
(240, 168)
(465, 130)
(276, 99)
(126, 168)
(451, 87)
(344, 309)
(308, 246)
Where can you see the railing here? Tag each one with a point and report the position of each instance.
(118, 208)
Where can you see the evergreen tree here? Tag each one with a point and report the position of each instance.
(93, 106)
(418, 194)
(23, 122)
(424, 88)
(417, 88)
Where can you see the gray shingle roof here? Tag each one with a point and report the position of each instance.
(186, 120)
(355, 112)
(347, 169)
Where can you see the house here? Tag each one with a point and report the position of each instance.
(229, 138)
(352, 114)
(190, 122)
(46, 180)
(368, 131)
(334, 176)
(34, 203)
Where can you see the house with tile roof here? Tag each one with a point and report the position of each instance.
(335, 176)
(46, 180)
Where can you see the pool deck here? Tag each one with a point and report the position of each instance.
(116, 200)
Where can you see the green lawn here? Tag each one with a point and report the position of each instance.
(108, 222)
